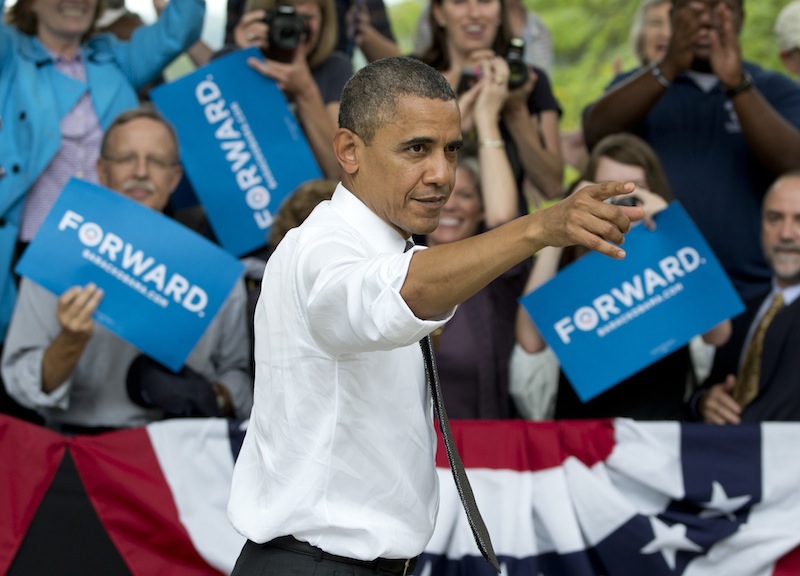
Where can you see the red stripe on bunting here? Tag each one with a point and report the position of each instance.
(789, 565)
(528, 446)
(132, 498)
(31, 455)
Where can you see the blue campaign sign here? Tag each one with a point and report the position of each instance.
(162, 283)
(241, 146)
(607, 319)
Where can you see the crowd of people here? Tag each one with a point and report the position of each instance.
(693, 122)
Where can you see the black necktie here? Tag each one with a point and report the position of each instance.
(474, 518)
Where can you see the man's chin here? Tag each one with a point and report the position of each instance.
(701, 61)
(424, 226)
(787, 272)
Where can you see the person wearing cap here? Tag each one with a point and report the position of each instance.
(76, 373)
(787, 32)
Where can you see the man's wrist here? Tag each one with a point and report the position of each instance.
(658, 74)
(743, 86)
(667, 69)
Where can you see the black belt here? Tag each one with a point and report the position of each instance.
(390, 565)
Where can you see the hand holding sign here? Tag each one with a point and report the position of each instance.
(74, 312)
(145, 263)
(243, 149)
(669, 288)
(75, 309)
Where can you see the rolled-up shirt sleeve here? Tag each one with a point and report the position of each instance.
(33, 327)
(353, 298)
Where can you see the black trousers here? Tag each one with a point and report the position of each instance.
(289, 557)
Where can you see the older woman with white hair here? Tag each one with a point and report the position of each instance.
(651, 30)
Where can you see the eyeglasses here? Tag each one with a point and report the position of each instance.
(130, 161)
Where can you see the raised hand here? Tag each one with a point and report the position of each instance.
(690, 22)
(75, 308)
(726, 54)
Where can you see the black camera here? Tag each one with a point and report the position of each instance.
(287, 29)
(624, 200)
(517, 69)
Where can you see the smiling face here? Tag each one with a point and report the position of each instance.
(470, 24)
(140, 162)
(62, 23)
(780, 230)
(406, 172)
(655, 32)
(462, 214)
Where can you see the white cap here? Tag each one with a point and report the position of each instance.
(787, 27)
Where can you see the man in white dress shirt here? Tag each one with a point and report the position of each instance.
(337, 467)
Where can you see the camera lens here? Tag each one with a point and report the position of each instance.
(286, 29)
(624, 201)
(517, 69)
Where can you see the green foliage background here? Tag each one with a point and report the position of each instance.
(590, 35)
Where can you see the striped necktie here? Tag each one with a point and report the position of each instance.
(476, 523)
(747, 381)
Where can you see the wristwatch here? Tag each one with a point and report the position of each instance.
(655, 70)
(743, 86)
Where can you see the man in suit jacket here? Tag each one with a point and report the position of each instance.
(778, 393)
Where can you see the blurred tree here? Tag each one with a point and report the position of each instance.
(404, 16)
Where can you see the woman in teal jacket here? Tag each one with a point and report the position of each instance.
(35, 96)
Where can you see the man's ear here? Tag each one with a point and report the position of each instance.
(346, 146)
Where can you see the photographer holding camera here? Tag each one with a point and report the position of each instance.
(472, 38)
(298, 39)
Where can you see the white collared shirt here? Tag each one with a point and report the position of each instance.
(340, 447)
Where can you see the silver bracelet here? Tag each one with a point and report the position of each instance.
(658, 75)
(490, 143)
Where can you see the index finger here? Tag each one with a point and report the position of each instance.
(606, 190)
